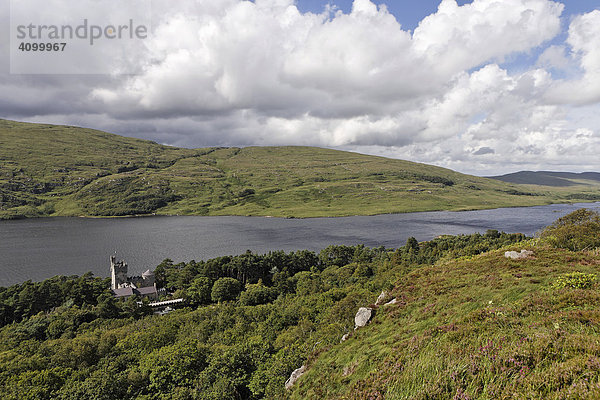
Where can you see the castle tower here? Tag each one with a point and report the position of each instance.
(148, 279)
(118, 272)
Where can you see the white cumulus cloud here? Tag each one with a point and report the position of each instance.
(584, 40)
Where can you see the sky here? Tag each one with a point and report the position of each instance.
(482, 87)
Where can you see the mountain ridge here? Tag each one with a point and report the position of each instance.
(548, 178)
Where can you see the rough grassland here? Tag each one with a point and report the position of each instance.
(49, 170)
(475, 328)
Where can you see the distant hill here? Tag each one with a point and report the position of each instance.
(50, 170)
(549, 178)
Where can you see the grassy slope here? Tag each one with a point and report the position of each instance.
(64, 171)
(485, 328)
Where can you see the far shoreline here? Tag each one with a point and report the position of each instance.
(457, 210)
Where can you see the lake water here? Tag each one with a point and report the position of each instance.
(37, 249)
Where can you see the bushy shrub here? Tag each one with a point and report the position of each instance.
(575, 280)
(576, 231)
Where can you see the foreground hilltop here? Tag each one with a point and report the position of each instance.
(50, 170)
(516, 323)
(485, 327)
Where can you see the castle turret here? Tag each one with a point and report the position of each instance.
(118, 272)
(148, 278)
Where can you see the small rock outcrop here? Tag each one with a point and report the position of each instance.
(518, 256)
(389, 303)
(381, 298)
(345, 337)
(363, 316)
(294, 377)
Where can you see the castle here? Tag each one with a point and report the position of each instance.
(124, 286)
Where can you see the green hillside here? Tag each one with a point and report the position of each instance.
(477, 328)
(465, 322)
(49, 170)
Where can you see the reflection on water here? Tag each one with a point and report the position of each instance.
(37, 249)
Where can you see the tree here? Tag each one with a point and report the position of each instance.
(257, 293)
(412, 244)
(247, 268)
(107, 306)
(225, 289)
(492, 234)
(337, 255)
(199, 291)
(174, 366)
(160, 272)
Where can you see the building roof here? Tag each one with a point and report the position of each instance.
(129, 291)
(123, 292)
(145, 290)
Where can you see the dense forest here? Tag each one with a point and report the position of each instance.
(249, 321)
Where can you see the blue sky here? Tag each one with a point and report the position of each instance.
(410, 12)
(484, 86)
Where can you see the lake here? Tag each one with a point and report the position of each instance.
(37, 249)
